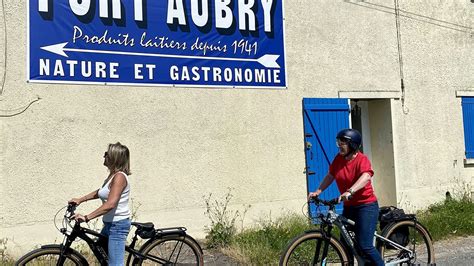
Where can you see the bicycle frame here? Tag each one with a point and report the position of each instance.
(378, 237)
(98, 243)
(333, 219)
(97, 246)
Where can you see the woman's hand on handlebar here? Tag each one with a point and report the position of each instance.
(79, 218)
(75, 201)
(314, 195)
(345, 196)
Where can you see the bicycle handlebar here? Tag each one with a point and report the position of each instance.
(331, 202)
(71, 207)
(66, 220)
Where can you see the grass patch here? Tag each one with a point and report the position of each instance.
(453, 217)
(263, 244)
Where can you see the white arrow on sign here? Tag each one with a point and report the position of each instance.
(268, 60)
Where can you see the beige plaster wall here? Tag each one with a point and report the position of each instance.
(187, 143)
(428, 132)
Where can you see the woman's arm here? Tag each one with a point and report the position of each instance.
(328, 179)
(93, 195)
(359, 184)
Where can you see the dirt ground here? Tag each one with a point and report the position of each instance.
(216, 258)
(455, 251)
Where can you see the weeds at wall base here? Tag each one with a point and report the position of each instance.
(5, 259)
(222, 229)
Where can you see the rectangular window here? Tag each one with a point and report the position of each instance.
(468, 119)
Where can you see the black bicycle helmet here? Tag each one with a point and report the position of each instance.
(352, 136)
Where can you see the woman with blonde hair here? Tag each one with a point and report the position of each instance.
(114, 194)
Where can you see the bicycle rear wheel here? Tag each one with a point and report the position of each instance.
(171, 250)
(307, 249)
(49, 256)
(416, 239)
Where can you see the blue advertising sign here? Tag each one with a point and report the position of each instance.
(200, 43)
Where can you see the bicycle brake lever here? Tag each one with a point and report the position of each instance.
(334, 201)
(71, 208)
(314, 199)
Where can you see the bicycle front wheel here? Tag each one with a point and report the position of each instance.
(171, 250)
(308, 249)
(49, 256)
(415, 240)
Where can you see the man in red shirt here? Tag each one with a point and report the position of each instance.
(353, 174)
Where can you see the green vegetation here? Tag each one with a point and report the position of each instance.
(263, 244)
(222, 229)
(453, 217)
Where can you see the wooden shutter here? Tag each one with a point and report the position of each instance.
(468, 119)
(323, 119)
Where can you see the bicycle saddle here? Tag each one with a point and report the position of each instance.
(144, 226)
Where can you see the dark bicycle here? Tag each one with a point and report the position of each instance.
(404, 241)
(165, 246)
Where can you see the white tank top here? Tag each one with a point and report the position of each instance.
(122, 211)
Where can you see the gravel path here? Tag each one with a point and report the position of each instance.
(216, 258)
(455, 251)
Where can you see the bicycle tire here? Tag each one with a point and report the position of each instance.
(177, 250)
(302, 249)
(49, 256)
(419, 242)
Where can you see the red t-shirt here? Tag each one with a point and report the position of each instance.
(346, 174)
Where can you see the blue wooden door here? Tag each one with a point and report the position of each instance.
(323, 118)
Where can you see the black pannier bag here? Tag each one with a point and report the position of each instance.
(392, 214)
(146, 233)
(146, 230)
